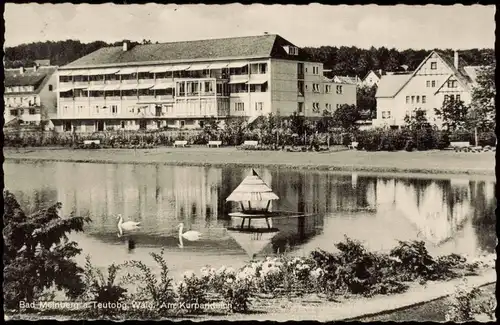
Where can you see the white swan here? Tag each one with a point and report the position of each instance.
(190, 235)
(126, 226)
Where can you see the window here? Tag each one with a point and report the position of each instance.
(182, 123)
(388, 114)
(428, 83)
(122, 124)
(384, 114)
(13, 112)
(412, 99)
(258, 106)
(315, 107)
(457, 98)
(338, 106)
(80, 109)
(328, 89)
(300, 107)
(433, 83)
(433, 65)
(32, 111)
(452, 84)
(300, 88)
(316, 88)
(239, 107)
(418, 99)
(446, 98)
(300, 70)
(339, 89)
(263, 68)
(114, 109)
(424, 99)
(407, 99)
(292, 50)
(50, 88)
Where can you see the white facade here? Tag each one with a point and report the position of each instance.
(185, 94)
(371, 79)
(425, 89)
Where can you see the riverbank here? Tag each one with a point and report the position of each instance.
(418, 299)
(427, 162)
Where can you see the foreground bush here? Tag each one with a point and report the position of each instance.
(468, 305)
(37, 255)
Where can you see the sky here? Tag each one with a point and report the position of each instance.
(402, 27)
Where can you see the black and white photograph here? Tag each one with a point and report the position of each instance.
(249, 162)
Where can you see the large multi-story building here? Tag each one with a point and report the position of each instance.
(181, 84)
(30, 94)
(437, 79)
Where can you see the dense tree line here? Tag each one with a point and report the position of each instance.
(349, 61)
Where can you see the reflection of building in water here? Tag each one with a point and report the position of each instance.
(436, 208)
(150, 194)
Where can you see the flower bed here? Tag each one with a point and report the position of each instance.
(350, 272)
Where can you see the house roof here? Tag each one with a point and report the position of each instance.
(30, 77)
(262, 46)
(460, 73)
(472, 72)
(253, 188)
(389, 85)
(376, 72)
(346, 79)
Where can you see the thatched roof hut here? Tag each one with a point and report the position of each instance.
(252, 190)
(253, 243)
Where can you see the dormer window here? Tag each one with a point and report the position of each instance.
(291, 50)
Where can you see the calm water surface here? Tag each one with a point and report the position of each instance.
(451, 215)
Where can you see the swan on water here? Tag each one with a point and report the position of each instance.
(126, 226)
(190, 235)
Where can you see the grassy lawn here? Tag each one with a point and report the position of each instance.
(448, 162)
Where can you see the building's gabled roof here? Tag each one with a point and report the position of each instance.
(346, 79)
(378, 73)
(460, 73)
(472, 72)
(390, 85)
(30, 77)
(465, 86)
(262, 46)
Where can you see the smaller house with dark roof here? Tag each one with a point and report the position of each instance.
(437, 79)
(30, 95)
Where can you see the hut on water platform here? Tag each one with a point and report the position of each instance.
(254, 197)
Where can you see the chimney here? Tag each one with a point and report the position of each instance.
(380, 71)
(455, 60)
(125, 46)
(21, 70)
(35, 67)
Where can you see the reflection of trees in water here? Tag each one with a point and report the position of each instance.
(484, 217)
(420, 185)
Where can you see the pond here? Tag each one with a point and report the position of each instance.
(451, 214)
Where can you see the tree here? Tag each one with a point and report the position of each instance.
(365, 99)
(326, 123)
(211, 129)
(297, 123)
(346, 117)
(483, 99)
(454, 114)
(37, 252)
(417, 120)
